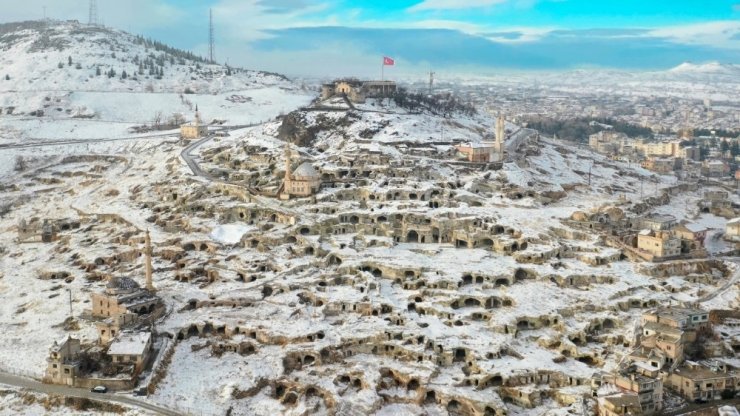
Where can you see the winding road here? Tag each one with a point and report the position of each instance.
(33, 385)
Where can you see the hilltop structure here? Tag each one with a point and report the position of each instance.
(358, 91)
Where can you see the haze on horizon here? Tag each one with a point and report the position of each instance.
(339, 37)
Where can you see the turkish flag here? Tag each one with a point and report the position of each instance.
(388, 61)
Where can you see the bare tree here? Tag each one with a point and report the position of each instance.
(157, 119)
(177, 119)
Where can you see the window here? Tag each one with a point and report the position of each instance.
(53, 366)
(66, 371)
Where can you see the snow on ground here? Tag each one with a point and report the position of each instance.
(214, 378)
(230, 233)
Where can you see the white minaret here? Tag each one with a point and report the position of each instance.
(197, 116)
(500, 137)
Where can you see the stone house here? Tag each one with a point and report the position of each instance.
(659, 244)
(698, 381)
(111, 327)
(714, 168)
(682, 318)
(659, 164)
(693, 234)
(732, 230)
(63, 362)
(666, 339)
(131, 349)
(649, 390)
(619, 405)
(657, 222)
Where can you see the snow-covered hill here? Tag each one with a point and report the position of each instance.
(65, 80)
(68, 56)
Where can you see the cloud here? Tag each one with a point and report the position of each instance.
(453, 4)
(283, 6)
(420, 49)
(722, 33)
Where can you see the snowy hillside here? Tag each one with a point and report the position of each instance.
(67, 81)
(64, 56)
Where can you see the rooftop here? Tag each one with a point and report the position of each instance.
(130, 344)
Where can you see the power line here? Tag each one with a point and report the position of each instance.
(211, 38)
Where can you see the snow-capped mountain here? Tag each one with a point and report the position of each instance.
(707, 68)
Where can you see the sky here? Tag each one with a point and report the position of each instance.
(350, 37)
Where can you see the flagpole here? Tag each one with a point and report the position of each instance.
(382, 70)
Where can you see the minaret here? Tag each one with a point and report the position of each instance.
(197, 116)
(148, 265)
(287, 180)
(500, 135)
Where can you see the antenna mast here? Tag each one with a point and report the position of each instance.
(93, 18)
(211, 38)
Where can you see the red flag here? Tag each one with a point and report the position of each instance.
(388, 61)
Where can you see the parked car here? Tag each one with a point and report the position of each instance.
(141, 391)
(99, 389)
(701, 401)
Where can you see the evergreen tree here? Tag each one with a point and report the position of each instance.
(124, 75)
(141, 68)
(97, 71)
(60, 65)
(735, 149)
(7, 77)
(78, 66)
(69, 61)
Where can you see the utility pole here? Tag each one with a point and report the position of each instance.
(70, 302)
(93, 16)
(211, 38)
(589, 174)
